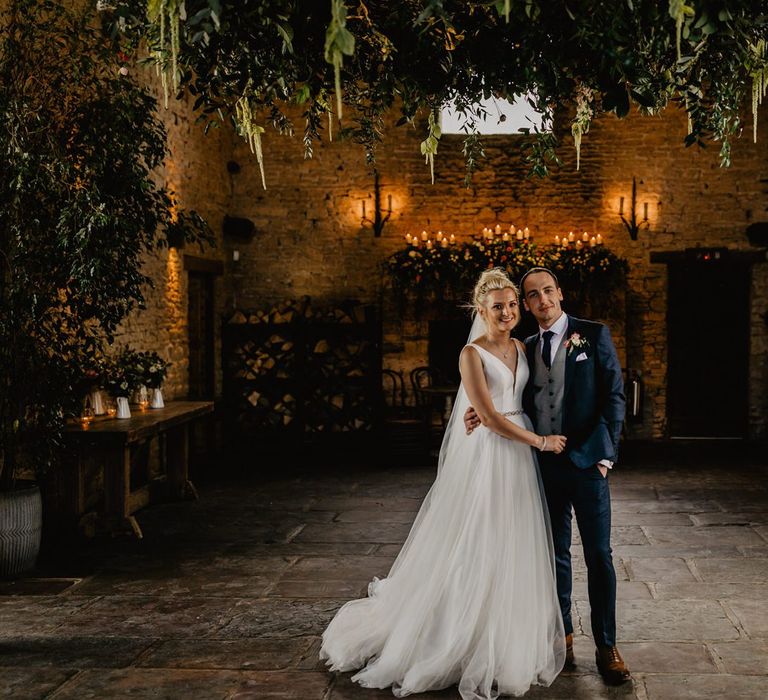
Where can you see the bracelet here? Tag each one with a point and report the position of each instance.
(543, 443)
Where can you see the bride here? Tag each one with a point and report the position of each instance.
(471, 598)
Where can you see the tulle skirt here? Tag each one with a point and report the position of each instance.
(471, 599)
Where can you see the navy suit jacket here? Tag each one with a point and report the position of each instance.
(593, 400)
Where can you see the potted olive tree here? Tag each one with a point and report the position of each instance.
(79, 207)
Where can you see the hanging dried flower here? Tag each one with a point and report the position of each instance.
(167, 15)
(429, 145)
(339, 42)
(250, 131)
(583, 118)
(759, 81)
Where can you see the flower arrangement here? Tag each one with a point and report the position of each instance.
(155, 369)
(130, 369)
(587, 274)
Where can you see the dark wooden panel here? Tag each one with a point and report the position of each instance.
(708, 330)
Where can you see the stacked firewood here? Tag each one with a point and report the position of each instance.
(293, 310)
(305, 368)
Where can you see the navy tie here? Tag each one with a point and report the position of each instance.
(546, 349)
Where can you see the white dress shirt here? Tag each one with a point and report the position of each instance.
(560, 328)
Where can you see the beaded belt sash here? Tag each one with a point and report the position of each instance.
(518, 412)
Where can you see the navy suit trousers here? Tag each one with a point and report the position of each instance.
(584, 492)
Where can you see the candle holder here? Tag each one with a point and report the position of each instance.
(632, 225)
(378, 221)
(86, 416)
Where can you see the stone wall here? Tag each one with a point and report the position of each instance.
(196, 172)
(309, 238)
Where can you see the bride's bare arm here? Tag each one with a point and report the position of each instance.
(473, 378)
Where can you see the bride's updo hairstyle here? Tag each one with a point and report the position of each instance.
(491, 280)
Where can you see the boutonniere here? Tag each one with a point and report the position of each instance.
(576, 342)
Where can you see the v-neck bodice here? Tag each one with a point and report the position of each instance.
(505, 386)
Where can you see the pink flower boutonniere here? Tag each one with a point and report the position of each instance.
(576, 342)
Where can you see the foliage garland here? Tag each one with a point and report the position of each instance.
(417, 55)
(588, 275)
(81, 207)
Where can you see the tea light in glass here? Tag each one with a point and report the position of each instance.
(86, 416)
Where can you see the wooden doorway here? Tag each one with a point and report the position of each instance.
(201, 326)
(708, 330)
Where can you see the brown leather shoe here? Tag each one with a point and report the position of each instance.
(569, 658)
(611, 666)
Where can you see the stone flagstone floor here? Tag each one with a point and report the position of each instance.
(226, 597)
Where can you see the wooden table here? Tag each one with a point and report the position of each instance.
(110, 439)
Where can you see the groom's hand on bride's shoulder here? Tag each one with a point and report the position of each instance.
(471, 420)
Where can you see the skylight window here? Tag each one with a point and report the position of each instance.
(502, 117)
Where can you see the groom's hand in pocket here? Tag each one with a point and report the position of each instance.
(471, 420)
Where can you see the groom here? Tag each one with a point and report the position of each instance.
(576, 389)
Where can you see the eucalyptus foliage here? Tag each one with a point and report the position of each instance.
(707, 56)
(79, 208)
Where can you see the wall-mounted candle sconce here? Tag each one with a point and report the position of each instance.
(632, 224)
(378, 221)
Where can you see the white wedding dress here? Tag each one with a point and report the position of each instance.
(471, 598)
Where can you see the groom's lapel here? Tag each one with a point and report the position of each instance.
(530, 350)
(570, 360)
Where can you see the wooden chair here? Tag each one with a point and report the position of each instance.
(405, 437)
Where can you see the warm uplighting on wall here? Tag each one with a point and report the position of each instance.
(630, 221)
(173, 289)
(578, 240)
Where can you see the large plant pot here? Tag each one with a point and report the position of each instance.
(21, 523)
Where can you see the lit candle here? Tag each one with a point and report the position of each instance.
(444, 242)
(565, 242)
(579, 245)
(557, 240)
(599, 239)
(424, 236)
(453, 239)
(408, 238)
(570, 237)
(585, 237)
(519, 234)
(512, 228)
(592, 242)
(498, 229)
(505, 237)
(526, 233)
(429, 244)
(439, 235)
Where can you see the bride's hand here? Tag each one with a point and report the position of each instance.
(554, 443)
